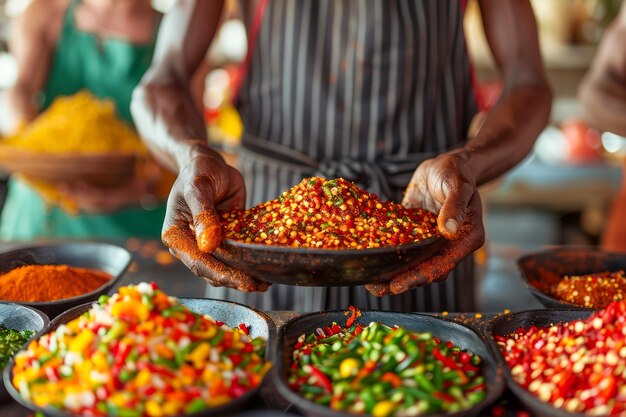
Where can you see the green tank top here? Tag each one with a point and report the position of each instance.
(109, 68)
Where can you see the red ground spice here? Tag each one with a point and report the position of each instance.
(329, 214)
(578, 366)
(593, 291)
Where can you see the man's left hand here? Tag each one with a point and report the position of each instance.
(442, 185)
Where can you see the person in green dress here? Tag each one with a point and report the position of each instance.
(62, 47)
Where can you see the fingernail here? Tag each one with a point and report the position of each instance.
(452, 226)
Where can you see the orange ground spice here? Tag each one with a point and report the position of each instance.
(40, 283)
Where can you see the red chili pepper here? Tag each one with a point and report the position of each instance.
(444, 359)
(322, 379)
(154, 285)
(244, 329)
(52, 374)
(354, 314)
(392, 378)
(236, 359)
(444, 397)
(219, 323)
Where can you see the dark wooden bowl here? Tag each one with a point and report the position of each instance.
(325, 267)
(102, 170)
(542, 270)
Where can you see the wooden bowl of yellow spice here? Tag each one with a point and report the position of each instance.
(58, 276)
(78, 138)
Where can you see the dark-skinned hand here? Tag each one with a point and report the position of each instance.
(442, 185)
(192, 227)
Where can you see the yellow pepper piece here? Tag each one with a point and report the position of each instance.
(383, 409)
(349, 367)
(143, 378)
(132, 308)
(153, 409)
(199, 354)
(172, 407)
(80, 342)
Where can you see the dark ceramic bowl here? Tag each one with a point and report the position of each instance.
(325, 267)
(93, 255)
(509, 323)
(18, 317)
(543, 270)
(445, 330)
(232, 314)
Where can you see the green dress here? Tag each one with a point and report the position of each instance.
(108, 68)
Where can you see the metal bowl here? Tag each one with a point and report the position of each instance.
(93, 255)
(544, 269)
(509, 323)
(325, 267)
(17, 317)
(446, 330)
(232, 314)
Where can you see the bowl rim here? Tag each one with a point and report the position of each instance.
(543, 296)
(44, 316)
(545, 408)
(107, 285)
(279, 368)
(7, 372)
(260, 247)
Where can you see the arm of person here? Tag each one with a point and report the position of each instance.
(173, 128)
(448, 183)
(32, 44)
(602, 92)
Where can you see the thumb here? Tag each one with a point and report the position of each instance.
(206, 225)
(453, 211)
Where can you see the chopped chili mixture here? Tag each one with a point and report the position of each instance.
(10, 342)
(139, 353)
(593, 290)
(384, 371)
(329, 214)
(578, 366)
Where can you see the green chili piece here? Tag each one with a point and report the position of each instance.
(438, 376)
(476, 397)
(424, 383)
(127, 412)
(312, 389)
(195, 405)
(218, 338)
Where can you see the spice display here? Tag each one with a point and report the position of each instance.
(40, 283)
(330, 214)
(593, 290)
(578, 366)
(140, 353)
(384, 371)
(11, 341)
(81, 123)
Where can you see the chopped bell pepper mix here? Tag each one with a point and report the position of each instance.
(139, 353)
(593, 291)
(384, 371)
(11, 341)
(329, 214)
(578, 366)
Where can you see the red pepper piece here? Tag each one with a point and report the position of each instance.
(244, 329)
(444, 397)
(322, 379)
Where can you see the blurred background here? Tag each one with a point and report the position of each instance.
(559, 195)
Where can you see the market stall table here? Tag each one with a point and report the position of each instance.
(152, 262)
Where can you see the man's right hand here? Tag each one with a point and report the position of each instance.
(192, 228)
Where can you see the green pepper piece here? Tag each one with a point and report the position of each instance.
(424, 383)
(195, 405)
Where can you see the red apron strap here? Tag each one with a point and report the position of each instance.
(480, 100)
(252, 40)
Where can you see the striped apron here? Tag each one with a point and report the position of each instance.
(360, 89)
